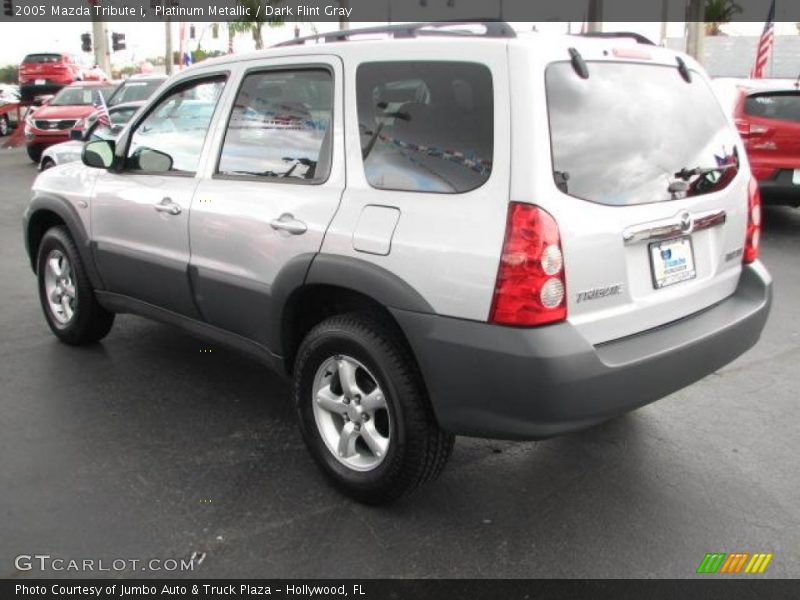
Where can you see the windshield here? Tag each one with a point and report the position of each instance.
(634, 133)
(80, 96)
(133, 91)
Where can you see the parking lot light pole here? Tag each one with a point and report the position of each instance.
(595, 16)
(695, 18)
(168, 46)
(101, 56)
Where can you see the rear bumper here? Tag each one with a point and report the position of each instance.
(779, 189)
(500, 382)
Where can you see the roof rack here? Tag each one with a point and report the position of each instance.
(493, 29)
(640, 39)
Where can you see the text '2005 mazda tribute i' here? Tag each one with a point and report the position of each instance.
(481, 234)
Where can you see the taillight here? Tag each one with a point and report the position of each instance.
(753, 236)
(747, 129)
(530, 287)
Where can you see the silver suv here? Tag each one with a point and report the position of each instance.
(457, 233)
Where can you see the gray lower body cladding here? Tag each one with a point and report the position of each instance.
(500, 382)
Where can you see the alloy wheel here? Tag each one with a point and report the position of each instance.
(59, 285)
(351, 413)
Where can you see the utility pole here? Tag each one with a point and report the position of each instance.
(695, 24)
(168, 45)
(102, 58)
(595, 16)
(664, 21)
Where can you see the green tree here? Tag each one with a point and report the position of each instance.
(254, 24)
(8, 74)
(718, 13)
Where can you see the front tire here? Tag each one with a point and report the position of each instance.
(35, 153)
(66, 294)
(363, 410)
(47, 163)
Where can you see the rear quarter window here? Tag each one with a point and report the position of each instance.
(426, 126)
(783, 106)
(630, 133)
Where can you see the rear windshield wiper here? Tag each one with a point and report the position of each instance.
(687, 174)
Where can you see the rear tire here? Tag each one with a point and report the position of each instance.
(35, 153)
(384, 374)
(66, 294)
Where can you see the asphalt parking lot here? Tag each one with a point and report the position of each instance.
(144, 447)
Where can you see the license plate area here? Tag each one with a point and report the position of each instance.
(40, 82)
(672, 261)
(796, 177)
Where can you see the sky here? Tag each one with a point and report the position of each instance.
(147, 39)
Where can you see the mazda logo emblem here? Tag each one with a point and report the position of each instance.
(686, 222)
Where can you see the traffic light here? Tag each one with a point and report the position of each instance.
(86, 42)
(8, 8)
(117, 41)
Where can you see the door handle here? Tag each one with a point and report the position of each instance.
(168, 206)
(286, 222)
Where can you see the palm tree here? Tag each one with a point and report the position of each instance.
(719, 12)
(253, 24)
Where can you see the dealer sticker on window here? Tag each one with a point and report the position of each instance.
(672, 261)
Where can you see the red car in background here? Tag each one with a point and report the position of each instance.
(47, 72)
(768, 119)
(50, 124)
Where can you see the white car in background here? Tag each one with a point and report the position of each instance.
(89, 129)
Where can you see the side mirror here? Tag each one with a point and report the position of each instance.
(98, 154)
(153, 161)
(76, 134)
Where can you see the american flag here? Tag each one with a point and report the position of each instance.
(103, 118)
(764, 45)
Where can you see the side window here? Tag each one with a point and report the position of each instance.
(171, 137)
(426, 126)
(280, 127)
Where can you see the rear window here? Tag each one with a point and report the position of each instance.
(42, 58)
(784, 106)
(634, 133)
(426, 126)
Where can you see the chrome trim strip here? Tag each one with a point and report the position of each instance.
(681, 224)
